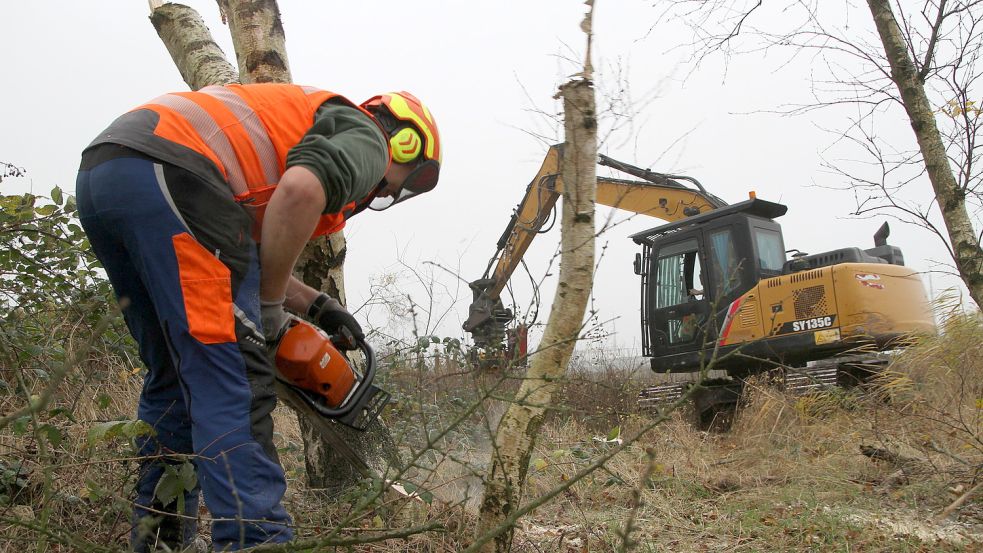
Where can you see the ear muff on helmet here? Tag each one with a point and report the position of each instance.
(396, 111)
(405, 144)
(413, 141)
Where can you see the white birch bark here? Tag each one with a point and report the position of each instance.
(258, 39)
(952, 200)
(518, 429)
(199, 60)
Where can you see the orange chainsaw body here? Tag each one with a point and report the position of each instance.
(308, 359)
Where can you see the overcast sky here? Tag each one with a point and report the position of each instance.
(485, 69)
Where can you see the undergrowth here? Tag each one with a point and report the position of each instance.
(891, 466)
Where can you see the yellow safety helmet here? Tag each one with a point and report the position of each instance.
(413, 137)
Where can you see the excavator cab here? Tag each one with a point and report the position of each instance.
(694, 268)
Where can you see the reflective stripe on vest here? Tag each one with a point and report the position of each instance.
(209, 131)
(246, 131)
(234, 132)
(254, 128)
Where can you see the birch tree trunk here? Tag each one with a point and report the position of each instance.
(258, 39)
(952, 199)
(199, 60)
(520, 425)
(335, 456)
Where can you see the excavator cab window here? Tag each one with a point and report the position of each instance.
(770, 250)
(679, 300)
(725, 263)
(676, 272)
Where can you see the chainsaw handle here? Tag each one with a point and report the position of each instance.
(344, 339)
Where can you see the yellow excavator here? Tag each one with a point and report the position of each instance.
(716, 286)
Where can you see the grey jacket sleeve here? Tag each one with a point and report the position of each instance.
(347, 152)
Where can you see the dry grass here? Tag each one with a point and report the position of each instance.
(790, 476)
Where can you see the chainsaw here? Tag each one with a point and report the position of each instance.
(310, 363)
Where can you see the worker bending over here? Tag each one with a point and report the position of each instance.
(176, 197)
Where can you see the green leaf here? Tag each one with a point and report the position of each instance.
(61, 411)
(103, 401)
(612, 481)
(174, 483)
(169, 487)
(108, 431)
(614, 434)
(45, 210)
(539, 464)
(9, 203)
(188, 477)
(56, 196)
(409, 487)
(52, 433)
(19, 426)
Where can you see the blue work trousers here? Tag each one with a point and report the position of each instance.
(180, 256)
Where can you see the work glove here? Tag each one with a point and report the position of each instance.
(273, 319)
(328, 314)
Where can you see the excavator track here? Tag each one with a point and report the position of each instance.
(843, 372)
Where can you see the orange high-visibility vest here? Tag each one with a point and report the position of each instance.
(246, 131)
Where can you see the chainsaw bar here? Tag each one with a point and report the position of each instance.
(359, 415)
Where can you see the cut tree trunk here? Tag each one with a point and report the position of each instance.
(966, 250)
(336, 456)
(517, 431)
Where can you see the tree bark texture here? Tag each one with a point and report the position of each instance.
(517, 431)
(335, 457)
(951, 198)
(199, 60)
(322, 265)
(258, 38)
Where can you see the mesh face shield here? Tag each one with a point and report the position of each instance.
(422, 179)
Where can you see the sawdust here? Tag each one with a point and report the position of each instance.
(909, 526)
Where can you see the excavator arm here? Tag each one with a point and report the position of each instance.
(657, 195)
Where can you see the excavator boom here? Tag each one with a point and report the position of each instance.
(657, 195)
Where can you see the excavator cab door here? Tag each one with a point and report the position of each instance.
(678, 305)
